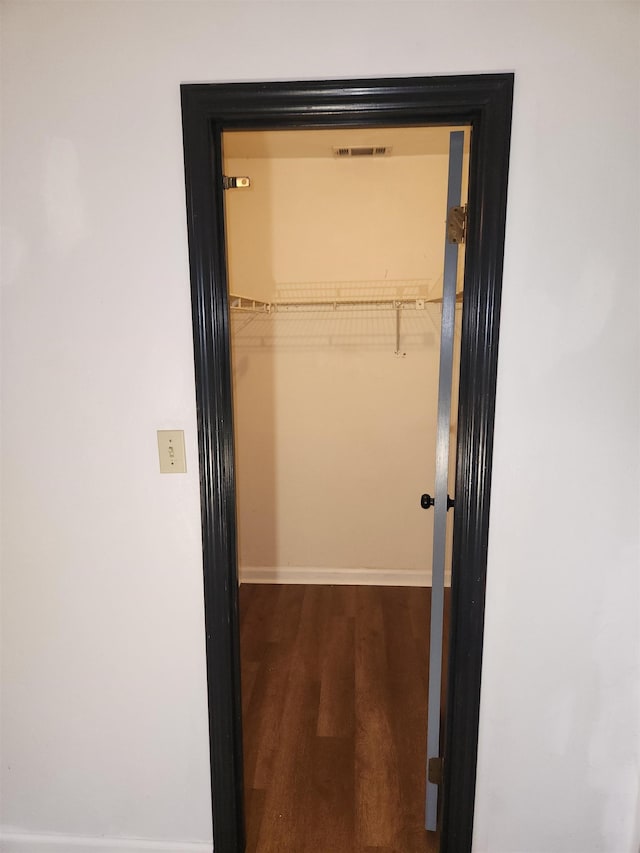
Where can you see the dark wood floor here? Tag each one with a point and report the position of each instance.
(334, 682)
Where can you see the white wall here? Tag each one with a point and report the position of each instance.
(104, 703)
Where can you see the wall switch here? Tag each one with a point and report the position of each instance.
(171, 451)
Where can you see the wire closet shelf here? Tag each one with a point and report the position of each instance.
(387, 296)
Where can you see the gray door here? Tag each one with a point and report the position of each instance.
(454, 194)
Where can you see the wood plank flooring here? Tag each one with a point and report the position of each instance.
(334, 682)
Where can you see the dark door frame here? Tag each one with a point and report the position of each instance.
(485, 102)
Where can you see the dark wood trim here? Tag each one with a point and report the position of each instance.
(485, 102)
(217, 486)
(476, 406)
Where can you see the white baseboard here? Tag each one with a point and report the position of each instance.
(336, 576)
(14, 841)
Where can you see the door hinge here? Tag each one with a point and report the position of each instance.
(436, 768)
(457, 224)
(235, 183)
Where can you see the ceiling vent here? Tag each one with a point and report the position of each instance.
(362, 151)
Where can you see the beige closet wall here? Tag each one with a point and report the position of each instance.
(310, 220)
(335, 433)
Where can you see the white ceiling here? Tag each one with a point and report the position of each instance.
(276, 144)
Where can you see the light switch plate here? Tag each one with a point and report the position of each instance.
(171, 451)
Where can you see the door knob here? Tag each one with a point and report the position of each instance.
(426, 502)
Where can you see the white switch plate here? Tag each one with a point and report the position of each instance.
(171, 451)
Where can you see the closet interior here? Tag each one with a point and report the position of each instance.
(335, 246)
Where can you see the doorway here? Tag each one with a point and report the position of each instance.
(335, 246)
(484, 103)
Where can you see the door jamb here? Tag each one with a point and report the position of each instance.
(485, 102)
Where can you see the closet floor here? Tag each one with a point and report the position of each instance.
(334, 683)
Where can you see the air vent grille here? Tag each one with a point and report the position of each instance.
(363, 151)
